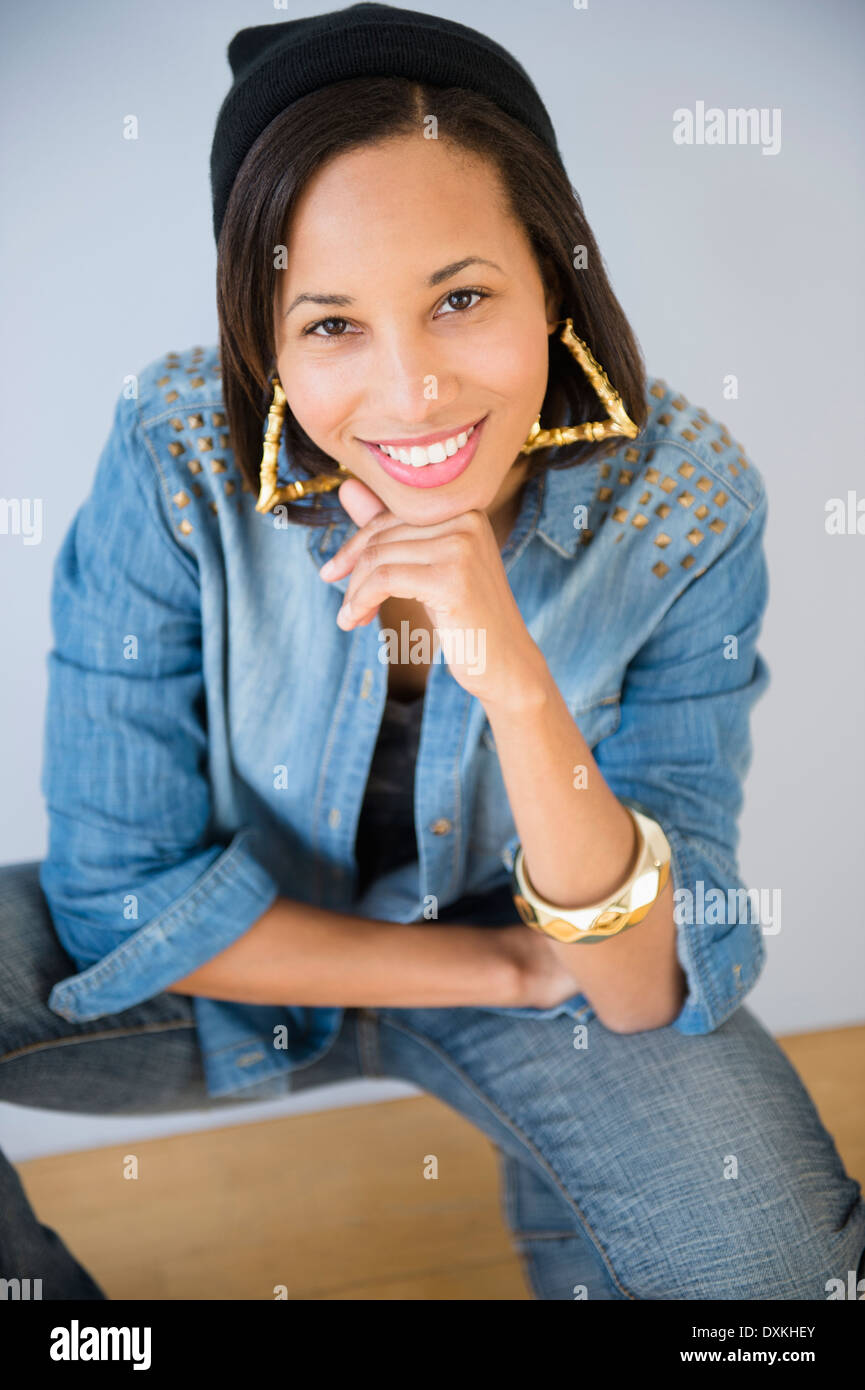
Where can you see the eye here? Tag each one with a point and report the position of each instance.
(463, 294)
(327, 324)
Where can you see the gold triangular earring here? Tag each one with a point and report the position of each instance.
(617, 423)
(269, 491)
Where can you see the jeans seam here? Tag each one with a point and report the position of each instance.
(508, 1200)
(515, 1129)
(507, 1163)
(367, 1043)
(94, 1037)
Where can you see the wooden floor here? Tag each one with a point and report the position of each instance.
(334, 1205)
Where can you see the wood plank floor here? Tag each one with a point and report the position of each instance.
(334, 1205)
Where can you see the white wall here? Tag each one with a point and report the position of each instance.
(726, 261)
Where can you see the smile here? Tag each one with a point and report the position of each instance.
(437, 461)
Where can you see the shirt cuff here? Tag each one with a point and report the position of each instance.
(721, 961)
(218, 907)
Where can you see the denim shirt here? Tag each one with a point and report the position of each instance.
(209, 729)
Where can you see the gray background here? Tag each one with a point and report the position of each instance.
(725, 260)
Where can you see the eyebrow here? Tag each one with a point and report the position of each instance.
(437, 277)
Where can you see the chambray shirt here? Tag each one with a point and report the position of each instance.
(209, 729)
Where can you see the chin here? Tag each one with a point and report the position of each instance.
(433, 505)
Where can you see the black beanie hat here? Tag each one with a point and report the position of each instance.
(275, 65)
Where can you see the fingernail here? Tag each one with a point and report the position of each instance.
(327, 569)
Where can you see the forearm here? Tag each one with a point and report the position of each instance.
(303, 955)
(579, 844)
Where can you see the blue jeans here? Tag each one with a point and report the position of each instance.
(643, 1166)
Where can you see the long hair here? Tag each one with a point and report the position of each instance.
(364, 111)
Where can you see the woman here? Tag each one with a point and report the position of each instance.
(314, 758)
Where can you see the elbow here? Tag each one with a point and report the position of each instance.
(658, 1011)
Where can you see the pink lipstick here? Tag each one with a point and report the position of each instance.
(434, 474)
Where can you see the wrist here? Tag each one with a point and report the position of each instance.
(519, 965)
(461, 964)
(525, 691)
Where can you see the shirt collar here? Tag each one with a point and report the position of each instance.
(565, 489)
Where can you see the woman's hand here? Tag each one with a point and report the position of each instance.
(545, 977)
(455, 570)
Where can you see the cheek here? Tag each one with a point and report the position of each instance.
(318, 400)
(515, 367)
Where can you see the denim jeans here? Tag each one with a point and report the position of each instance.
(640, 1166)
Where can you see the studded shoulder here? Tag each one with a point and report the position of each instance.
(182, 413)
(684, 486)
(695, 432)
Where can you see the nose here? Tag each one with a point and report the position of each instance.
(410, 379)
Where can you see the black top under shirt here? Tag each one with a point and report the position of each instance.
(385, 833)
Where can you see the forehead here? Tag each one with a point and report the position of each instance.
(399, 202)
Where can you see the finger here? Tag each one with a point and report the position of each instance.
(420, 582)
(344, 560)
(359, 501)
(440, 550)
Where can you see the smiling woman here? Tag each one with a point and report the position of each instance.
(465, 874)
(417, 359)
(455, 325)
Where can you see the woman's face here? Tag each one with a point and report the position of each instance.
(411, 306)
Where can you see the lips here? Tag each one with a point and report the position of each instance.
(430, 464)
(423, 449)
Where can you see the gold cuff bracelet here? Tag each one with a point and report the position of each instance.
(621, 910)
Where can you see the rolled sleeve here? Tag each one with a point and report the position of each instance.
(140, 888)
(681, 753)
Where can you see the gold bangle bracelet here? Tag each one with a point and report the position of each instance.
(616, 913)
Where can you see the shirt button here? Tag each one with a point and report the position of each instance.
(333, 817)
(366, 684)
(441, 827)
(250, 1058)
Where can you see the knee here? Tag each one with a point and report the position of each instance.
(790, 1246)
(31, 957)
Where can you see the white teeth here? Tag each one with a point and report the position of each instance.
(419, 457)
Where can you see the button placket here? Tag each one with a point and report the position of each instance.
(437, 782)
(345, 766)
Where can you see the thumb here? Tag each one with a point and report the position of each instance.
(359, 501)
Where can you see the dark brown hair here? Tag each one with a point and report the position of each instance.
(345, 116)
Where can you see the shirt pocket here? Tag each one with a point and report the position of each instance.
(492, 824)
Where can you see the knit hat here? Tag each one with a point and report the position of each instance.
(275, 65)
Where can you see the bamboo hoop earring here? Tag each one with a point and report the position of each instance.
(617, 422)
(270, 493)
